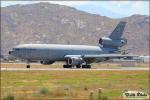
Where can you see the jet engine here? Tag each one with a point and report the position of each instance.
(75, 61)
(46, 62)
(112, 42)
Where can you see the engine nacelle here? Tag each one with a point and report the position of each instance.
(110, 42)
(46, 62)
(75, 61)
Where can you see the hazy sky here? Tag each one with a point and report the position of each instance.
(113, 9)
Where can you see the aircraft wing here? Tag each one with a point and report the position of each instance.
(108, 56)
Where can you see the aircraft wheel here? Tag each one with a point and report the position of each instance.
(86, 66)
(78, 66)
(28, 66)
(67, 66)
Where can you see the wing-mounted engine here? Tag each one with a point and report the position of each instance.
(46, 62)
(108, 42)
(75, 61)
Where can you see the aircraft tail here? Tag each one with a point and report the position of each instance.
(114, 40)
(118, 31)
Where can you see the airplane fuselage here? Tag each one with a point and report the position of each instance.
(53, 52)
(74, 55)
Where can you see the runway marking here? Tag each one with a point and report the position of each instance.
(63, 69)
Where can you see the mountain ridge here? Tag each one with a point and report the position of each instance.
(59, 24)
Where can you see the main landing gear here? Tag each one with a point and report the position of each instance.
(67, 66)
(86, 66)
(77, 66)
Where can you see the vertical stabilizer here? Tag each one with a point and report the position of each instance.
(118, 31)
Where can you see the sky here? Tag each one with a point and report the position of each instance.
(112, 9)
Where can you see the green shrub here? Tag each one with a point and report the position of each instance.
(104, 98)
(9, 97)
(44, 91)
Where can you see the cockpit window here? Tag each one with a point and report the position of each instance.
(16, 49)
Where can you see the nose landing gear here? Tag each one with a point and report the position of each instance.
(9, 52)
(28, 66)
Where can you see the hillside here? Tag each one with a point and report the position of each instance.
(52, 23)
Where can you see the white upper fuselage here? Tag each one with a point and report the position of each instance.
(54, 52)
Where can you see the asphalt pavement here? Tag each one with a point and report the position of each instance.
(63, 69)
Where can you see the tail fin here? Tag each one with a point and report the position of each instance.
(118, 31)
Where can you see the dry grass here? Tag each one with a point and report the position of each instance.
(59, 65)
(33, 65)
(26, 85)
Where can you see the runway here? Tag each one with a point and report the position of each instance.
(64, 69)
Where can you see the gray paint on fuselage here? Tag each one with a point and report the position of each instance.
(54, 52)
(86, 54)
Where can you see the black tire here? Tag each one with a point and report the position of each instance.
(67, 66)
(78, 66)
(83, 66)
(86, 66)
(28, 66)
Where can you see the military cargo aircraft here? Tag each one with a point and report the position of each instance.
(79, 56)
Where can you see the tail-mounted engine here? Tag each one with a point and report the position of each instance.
(104, 41)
